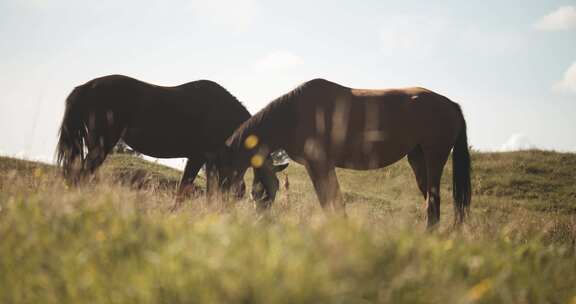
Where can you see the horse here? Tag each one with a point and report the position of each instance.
(323, 125)
(188, 121)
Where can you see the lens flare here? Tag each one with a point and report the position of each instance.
(251, 142)
(257, 161)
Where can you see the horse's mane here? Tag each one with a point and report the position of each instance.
(280, 104)
(218, 88)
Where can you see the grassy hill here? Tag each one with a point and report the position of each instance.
(115, 240)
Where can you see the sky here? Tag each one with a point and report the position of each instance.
(511, 65)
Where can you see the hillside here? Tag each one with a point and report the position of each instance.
(542, 180)
(115, 240)
(121, 168)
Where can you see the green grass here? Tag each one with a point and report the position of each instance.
(114, 240)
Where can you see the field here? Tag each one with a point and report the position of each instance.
(115, 240)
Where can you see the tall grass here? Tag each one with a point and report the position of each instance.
(106, 242)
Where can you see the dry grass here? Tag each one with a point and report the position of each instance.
(111, 242)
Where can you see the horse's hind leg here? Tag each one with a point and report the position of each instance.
(435, 161)
(97, 154)
(94, 159)
(417, 161)
(325, 183)
(103, 135)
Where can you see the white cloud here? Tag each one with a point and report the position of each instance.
(568, 82)
(498, 42)
(411, 35)
(517, 142)
(235, 14)
(564, 18)
(279, 60)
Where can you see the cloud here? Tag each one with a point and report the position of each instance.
(499, 42)
(416, 36)
(278, 60)
(568, 82)
(517, 142)
(235, 14)
(564, 18)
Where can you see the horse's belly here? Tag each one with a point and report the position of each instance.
(157, 145)
(366, 155)
(368, 161)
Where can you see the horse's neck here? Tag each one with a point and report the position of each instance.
(269, 124)
(259, 132)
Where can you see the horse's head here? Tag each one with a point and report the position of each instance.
(232, 165)
(266, 184)
(229, 176)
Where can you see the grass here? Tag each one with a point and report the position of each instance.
(115, 241)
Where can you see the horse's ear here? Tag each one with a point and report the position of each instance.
(278, 168)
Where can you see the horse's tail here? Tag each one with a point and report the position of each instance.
(73, 133)
(461, 186)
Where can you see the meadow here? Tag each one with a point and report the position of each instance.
(115, 240)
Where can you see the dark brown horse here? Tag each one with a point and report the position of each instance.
(323, 125)
(190, 121)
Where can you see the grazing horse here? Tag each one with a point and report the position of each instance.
(323, 125)
(189, 121)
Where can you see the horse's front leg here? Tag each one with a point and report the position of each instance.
(212, 181)
(193, 165)
(323, 176)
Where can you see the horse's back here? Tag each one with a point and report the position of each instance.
(198, 115)
(391, 123)
(355, 125)
(196, 98)
(115, 81)
(416, 113)
(119, 91)
(200, 84)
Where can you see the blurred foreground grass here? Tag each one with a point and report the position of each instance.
(112, 242)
